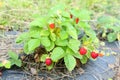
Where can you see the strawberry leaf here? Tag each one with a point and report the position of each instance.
(44, 33)
(84, 60)
(22, 37)
(45, 41)
(34, 34)
(74, 45)
(70, 62)
(43, 57)
(111, 37)
(77, 55)
(52, 36)
(18, 62)
(50, 67)
(60, 42)
(50, 47)
(25, 48)
(72, 31)
(57, 54)
(39, 23)
(33, 43)
(13, 55)
(63, 35)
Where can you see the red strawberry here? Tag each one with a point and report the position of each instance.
(48, 61)
(94, 55)
(82, 51)
(77, 20)
(52, 25)
(71, 16)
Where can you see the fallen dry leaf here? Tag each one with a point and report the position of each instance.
(0, 73)
(111, 65)
(2, 27)
(33, 71)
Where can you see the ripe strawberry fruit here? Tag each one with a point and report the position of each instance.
(71, 16)
(77, 20)
(52, 25)
(82, 51)
(94, 55)
(48, 61)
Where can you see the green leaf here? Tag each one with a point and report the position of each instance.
(88, 55)
(105, 19)
(50, 47)
(25, 48)
(44, 33)
(66, 14)
(41, 22)
(60, 42)
(63, 35)
(112, 37)
(74, 45)
(91, 33)
(13, 55)
(57, 9)
(52, 36)
(50, 67)
(70, 62)
(12, 61)
(45, 41)
(8, 64)
(34, 34)
(18, 63)
(1, 65)
(33, 43)
(22, 37)
(77, 55)
(57, 54)
(84, 14)
(72, 31)
(87, 29)
(43, 57)
(84, 60)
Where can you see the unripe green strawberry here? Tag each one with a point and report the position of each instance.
(48, 61)
(94, 55)
(52, 25)
(82, 51)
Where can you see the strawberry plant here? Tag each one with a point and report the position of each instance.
(13, 60)
(58, 33)
(108, 27)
